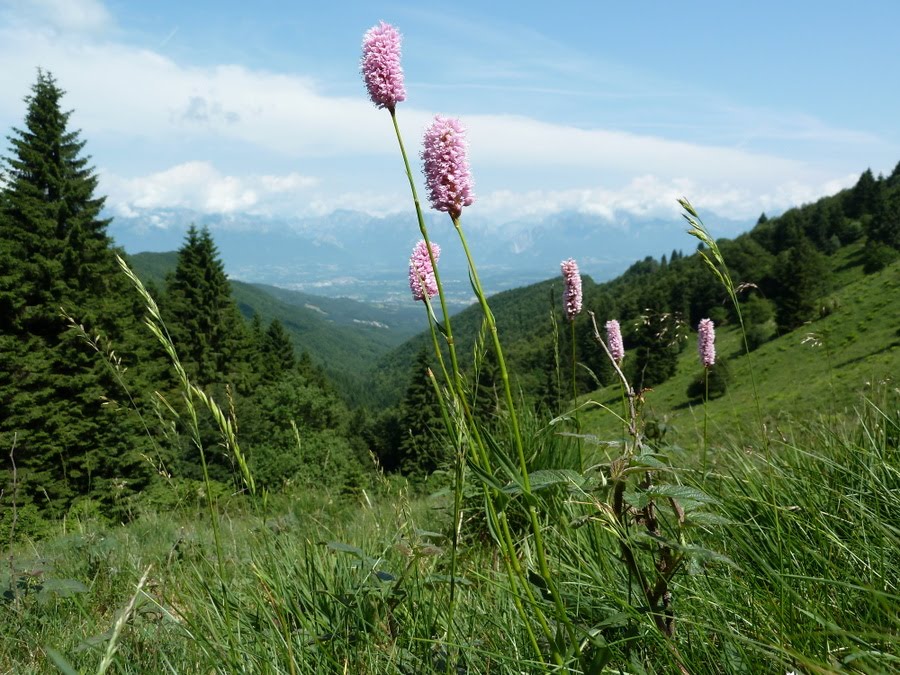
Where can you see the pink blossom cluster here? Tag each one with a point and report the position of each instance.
(421, 271)
(706, 342)
(380, 66)
(446, 166)
(614, 340)
(572, 292)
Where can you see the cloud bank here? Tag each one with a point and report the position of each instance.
(227, 138)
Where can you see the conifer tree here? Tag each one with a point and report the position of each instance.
(420, 422)
(894, 179)
(884, 227)
(56, 254)
(863, 197)
(203, 318)
(801, 276)
(278, 349)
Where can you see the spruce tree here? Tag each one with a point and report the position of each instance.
(420, 448)
(884, 227)
(863, 197)
(278, 349)
(894, 179)
(56, 254)
(801, 276)
(204, 321)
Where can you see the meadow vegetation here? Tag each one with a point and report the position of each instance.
(185, 492)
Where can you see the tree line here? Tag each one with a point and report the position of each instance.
(92, 416)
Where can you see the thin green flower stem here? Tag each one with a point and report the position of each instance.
(510, 559)
(574, 372)
(514, 570)
(705, 417)
(575, 399)
(458, 478)
(562, 616)
(457, 387)
(448, 333)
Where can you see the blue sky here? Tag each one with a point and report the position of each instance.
(609, 108)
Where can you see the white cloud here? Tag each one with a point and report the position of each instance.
(153, 112)
(59, 15)
(200, 187)
(649, 196)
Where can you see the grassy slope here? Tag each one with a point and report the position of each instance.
(344, 348)
(848, 352)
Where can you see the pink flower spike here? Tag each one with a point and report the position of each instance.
(446, 169)
(614, 340)
(421, 272)
(572, 292)
(380, 66)
(706, 342)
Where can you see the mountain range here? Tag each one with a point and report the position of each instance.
(354, 255)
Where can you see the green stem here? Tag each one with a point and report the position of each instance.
(575, 398)
(456, 385)
(447, 331)
(517, 437)
(705, 417)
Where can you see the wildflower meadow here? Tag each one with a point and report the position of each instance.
(548, 506)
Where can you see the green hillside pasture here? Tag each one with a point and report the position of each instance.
(818, 369)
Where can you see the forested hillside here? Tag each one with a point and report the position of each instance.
(342, 336)
(787, 269)
(101, 416)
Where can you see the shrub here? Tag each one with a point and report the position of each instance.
(718, 383)
(877, 257)
(759, 334)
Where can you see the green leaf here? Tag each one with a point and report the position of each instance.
(591, 439)
(636, 499)
(643, 462)
(544, 478)
(60, 588)
(347, 548)
(704, 557)
(679, 492)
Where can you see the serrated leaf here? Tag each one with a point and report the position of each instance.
(545, 478)
(615, 620)
(590, 439)
(651, 461)
(60, 588)
(636, 499)
(704, 556)
(679, 492)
